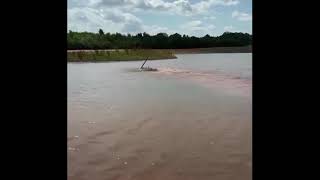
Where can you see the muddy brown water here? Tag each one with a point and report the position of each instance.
(189, 120)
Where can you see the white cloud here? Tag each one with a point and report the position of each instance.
(209, 17)
(241, 16)
(114, 20)
(180, 7)
(192, 24)
(211, 27)
(89, 19)
(204, 6)
(228, 28)
(231, 28)
(119, 15)
(197, 28)
(155, 29)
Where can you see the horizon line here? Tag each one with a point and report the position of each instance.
(156, 33)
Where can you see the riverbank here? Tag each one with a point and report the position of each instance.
(118, 55)
(89, 55)
(240, 49)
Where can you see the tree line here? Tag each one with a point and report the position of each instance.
(101, 40)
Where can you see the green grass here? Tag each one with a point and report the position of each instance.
(119, 55)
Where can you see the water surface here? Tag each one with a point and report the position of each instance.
(189, 120)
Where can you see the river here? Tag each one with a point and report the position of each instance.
(192, 119)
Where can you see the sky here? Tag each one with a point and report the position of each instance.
(190, 17)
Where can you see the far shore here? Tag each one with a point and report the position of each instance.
(118, 55)
(241, 49)
(103, 55)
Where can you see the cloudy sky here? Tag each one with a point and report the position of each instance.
(191, 17)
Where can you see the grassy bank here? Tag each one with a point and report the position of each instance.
(118, 55)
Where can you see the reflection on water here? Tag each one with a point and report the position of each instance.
(189, 120)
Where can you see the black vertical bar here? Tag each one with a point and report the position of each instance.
(143, 63)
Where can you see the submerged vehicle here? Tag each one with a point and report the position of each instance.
(147, 68)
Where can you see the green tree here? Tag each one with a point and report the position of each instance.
(88, 40)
